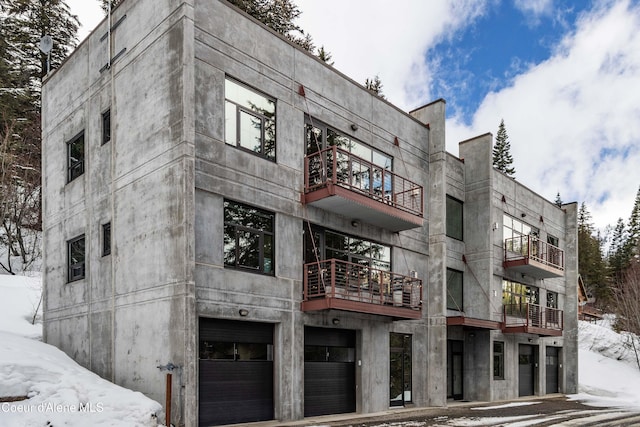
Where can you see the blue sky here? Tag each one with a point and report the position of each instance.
(504, 41)
(563, 74)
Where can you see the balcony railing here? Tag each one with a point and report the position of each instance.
(333, 169)
(532, 256)
(341, 285)
(532, 318)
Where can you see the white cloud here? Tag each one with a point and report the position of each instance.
(564, 114)
(369, 37)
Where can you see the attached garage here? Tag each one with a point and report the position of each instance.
(329, 371)
(235, 372)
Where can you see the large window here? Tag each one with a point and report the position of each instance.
(515, 234)
(248, 238)
(329, 244)
(75, 157)
(75, 259)
(250, 120)
(516, 296)
(454, 290)
(498, 360)
(454, 218)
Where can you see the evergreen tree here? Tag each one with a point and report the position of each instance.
(633, 241)
(374, 85)
(104, 4)
(22, 66)
(618, 251)
(591, 265)
(558, 200)
(502, 159)
(325, 56)
(279, 16)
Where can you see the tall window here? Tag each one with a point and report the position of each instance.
(515, 234)
(106, 239)
(454, 290)
(552, 299)
(75, 259)
(75, 157)
(498, 360)
(106, 126)
(454, 218)
(516, 296)
(250, 120)
(248, 238)
(329, 244)
(369, 172)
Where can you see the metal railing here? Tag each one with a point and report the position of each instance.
(340, 167)
(535, 249)
(533, 315)
(341, 279)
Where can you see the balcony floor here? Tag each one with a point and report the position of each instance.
(327, 303)
(358, 206)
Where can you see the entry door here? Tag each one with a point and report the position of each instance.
(399, 369)
(455, 366)
(552, 370)
(329, 371)
(526, 364)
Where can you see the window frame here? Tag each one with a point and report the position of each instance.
(449, 219)
(71, 266)
(498, 356)
(75, 168)
(106, 239)
(239, 109)
(241, 228)
(106, 126)
(459, 308)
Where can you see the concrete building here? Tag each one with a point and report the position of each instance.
(218, 200)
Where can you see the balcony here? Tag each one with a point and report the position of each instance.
(341, 285)
(533, 257)
(339, 181)
(532, 319)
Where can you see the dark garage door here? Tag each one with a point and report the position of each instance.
(236, 372)
(329, 371)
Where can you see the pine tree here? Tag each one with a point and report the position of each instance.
(618, 251)
(558, 200)
(325, 56)
(591, 265)
(104, 4)
(374, 85)
(22, 66)
(279, 16)
(502, 159)
(633, 241)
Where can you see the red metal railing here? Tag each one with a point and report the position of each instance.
(340, 279)
(532, 315)
(337, 166)
(534, 249)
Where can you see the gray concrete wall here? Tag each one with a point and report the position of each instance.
(134, 309)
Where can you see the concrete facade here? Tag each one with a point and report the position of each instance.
(161, 183)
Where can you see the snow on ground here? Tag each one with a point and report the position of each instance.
(58, 391)
(609, 371)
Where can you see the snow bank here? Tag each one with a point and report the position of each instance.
(56, 390)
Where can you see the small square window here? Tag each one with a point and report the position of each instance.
(76, 259)
(106, 126)
(106, 239)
